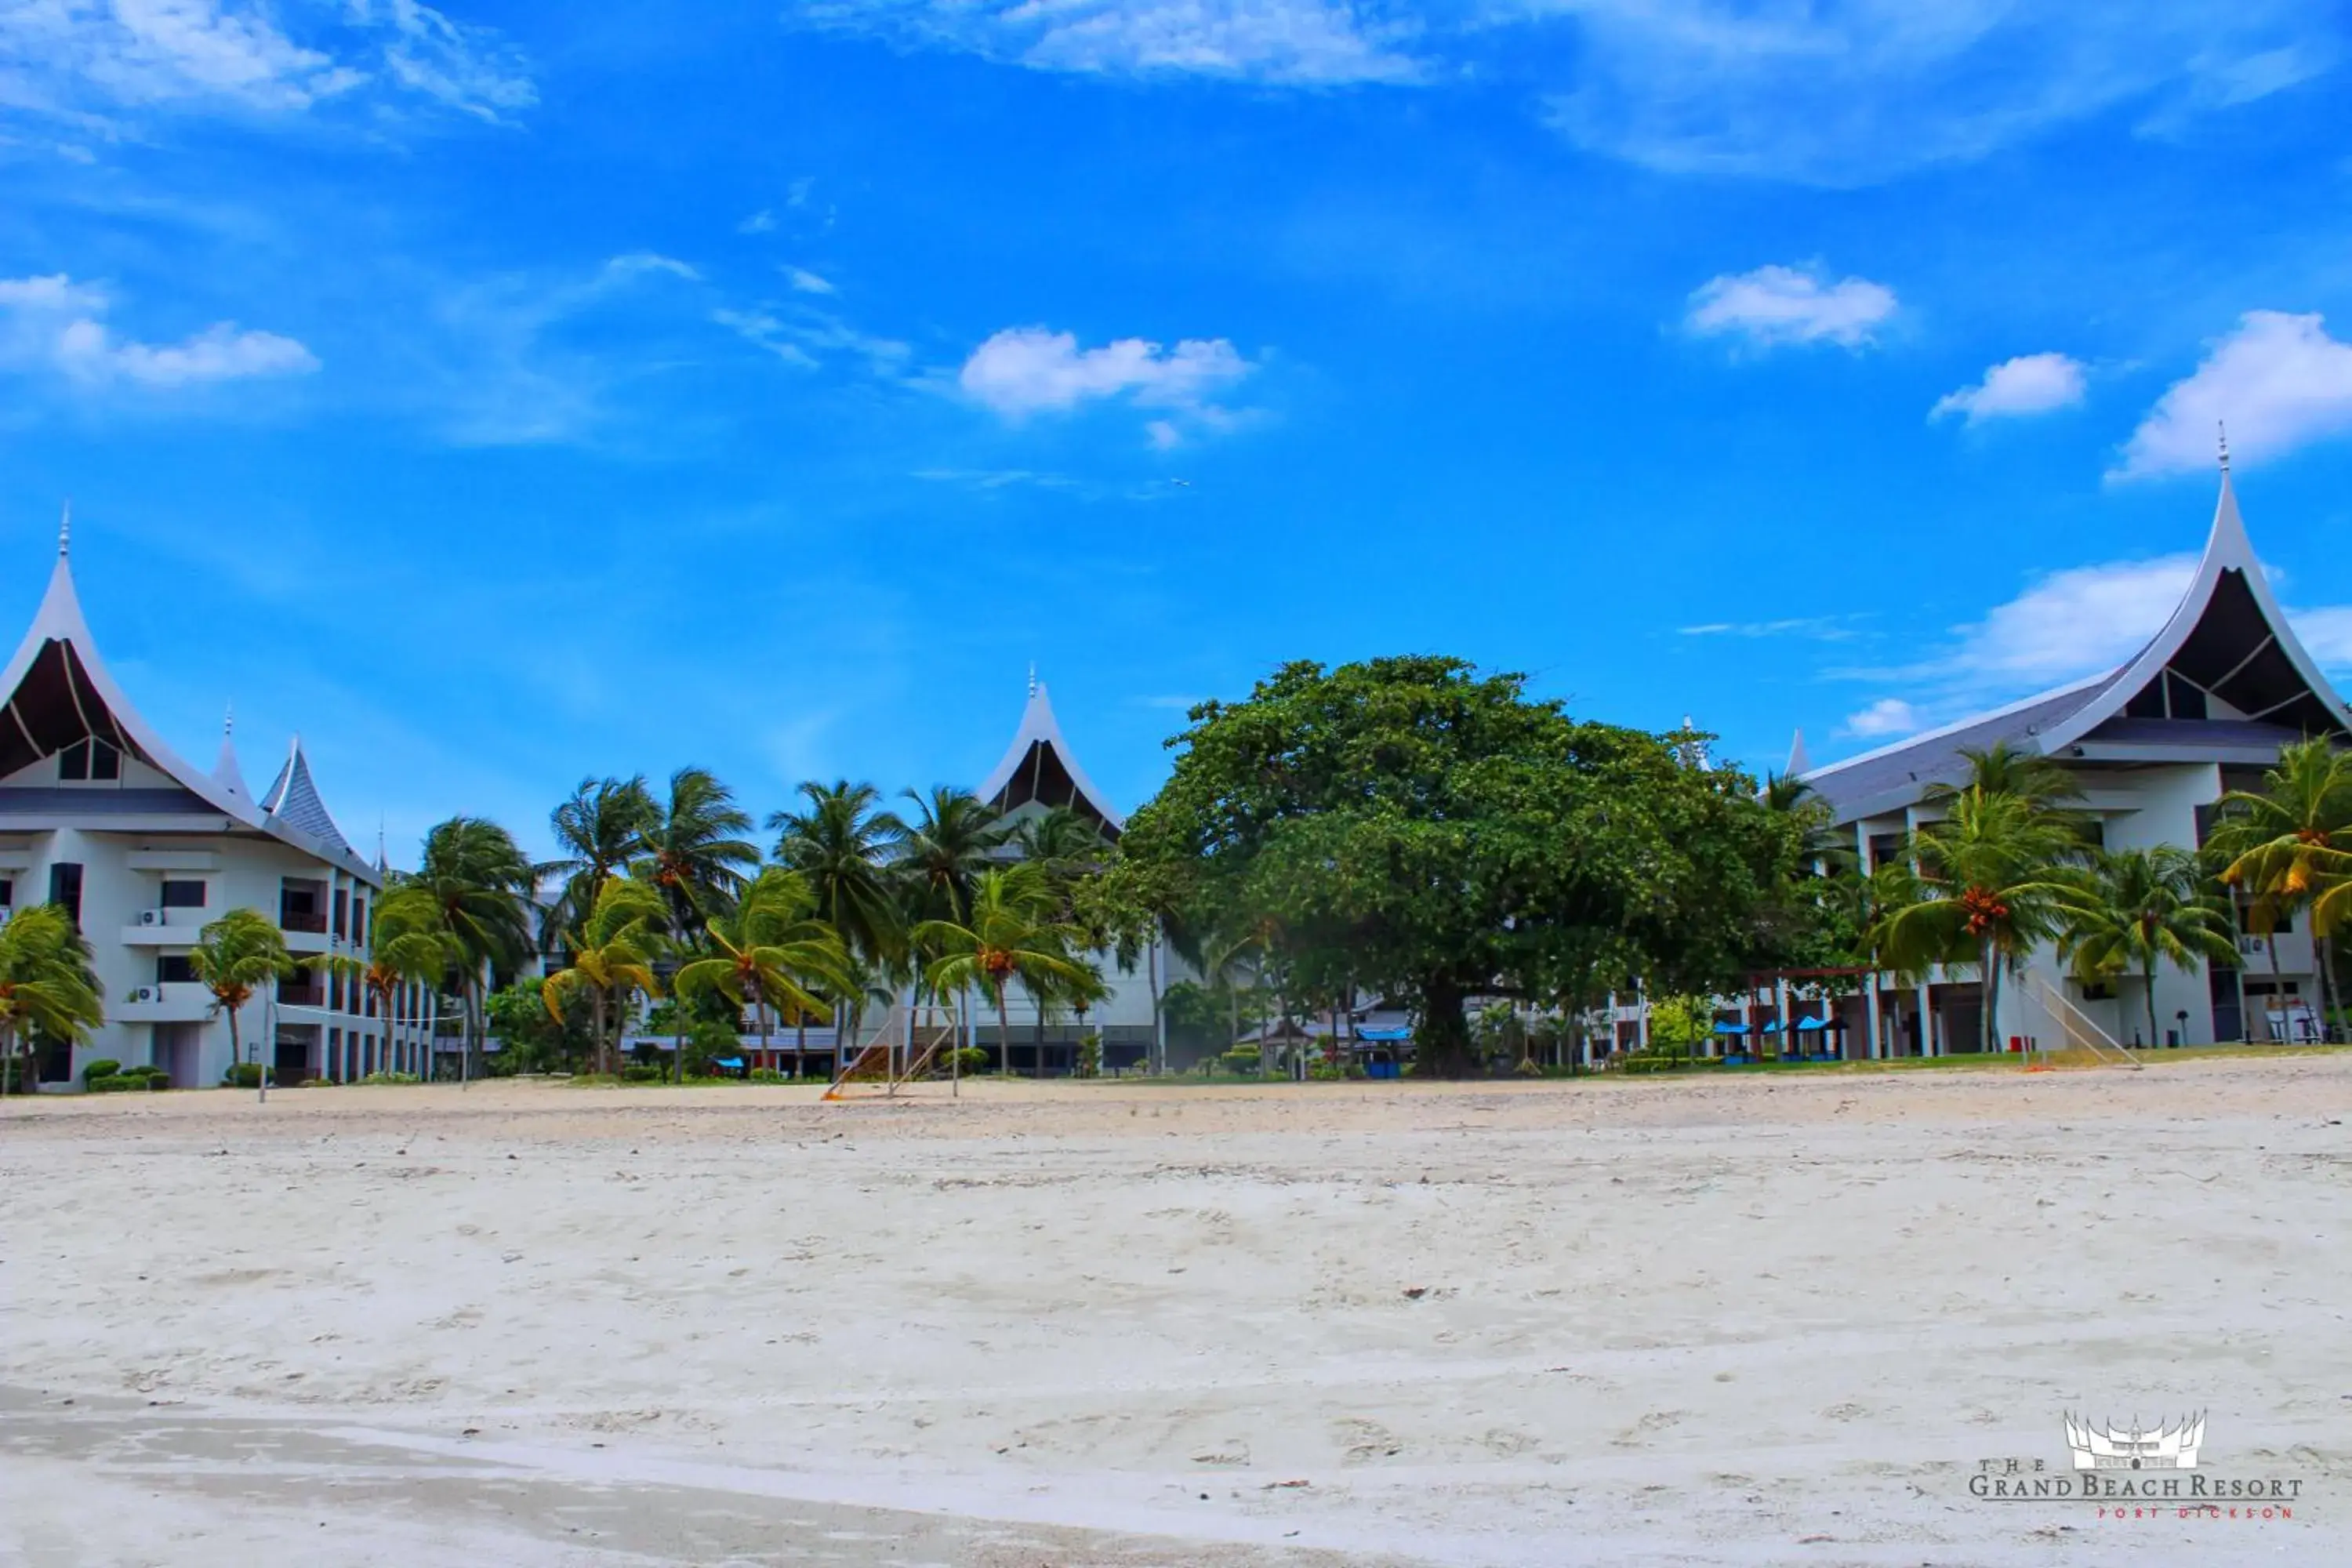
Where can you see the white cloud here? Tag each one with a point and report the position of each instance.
(87, 352)
(1850, 91)
(806, 337)
(1887, 716)
(78, 58)
(1023, 371)
(2279, 382)
(761, 222)
(2030, 384)
(1779, 305)
(2325, 634)
(55, 324)
(807, 282)
(1308, 42)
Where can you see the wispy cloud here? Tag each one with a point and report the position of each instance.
(1821, 629)
(2030, 384)
(1300, 42)
(1852, 91)
(1776, 306)
(86, 62)
(807, 337)
(807, 282)
(55, 324)
(2279, 382)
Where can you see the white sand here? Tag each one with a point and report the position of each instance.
(1749, 1322)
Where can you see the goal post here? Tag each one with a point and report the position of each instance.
(904, 1048)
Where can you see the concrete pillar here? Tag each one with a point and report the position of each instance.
(1927, 1019)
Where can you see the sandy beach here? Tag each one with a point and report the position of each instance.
(1758, 1321)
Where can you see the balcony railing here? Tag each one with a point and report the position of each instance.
(313, 995)
(309, 921)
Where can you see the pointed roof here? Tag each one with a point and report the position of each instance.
(1040, 766)
(2226, 677)
(59, 691)
(1798, 763)
(291, 798)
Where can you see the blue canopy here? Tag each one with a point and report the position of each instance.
(1731, 1028)
(1773, 1028)
(1385, 1033)
(1812, 1022)
(727, 1062)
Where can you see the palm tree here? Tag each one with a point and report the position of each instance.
(611, 960)
(395, 958)
(468, 895)
(235, 956)
(694, 851)
(1995, 878)
(1009, 935)
(943, 852)
(1062, 844)
(47, 985)
(2041, 781)
(600, 829)
(2291, 844)
(840, 842)
(1823, 845)
(769, 951)
(2146, 907)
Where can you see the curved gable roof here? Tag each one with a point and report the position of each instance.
(1040, 766)
(2227, 639)
(59, 690)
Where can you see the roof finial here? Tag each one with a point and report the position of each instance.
(228, 720)
(2223, 426)
(1032, 677)
(65, 528)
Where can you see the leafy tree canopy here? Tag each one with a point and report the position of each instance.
(1413, 826)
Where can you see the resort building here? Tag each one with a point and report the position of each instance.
(2203, 709)
(99, 816)
(1039, 772)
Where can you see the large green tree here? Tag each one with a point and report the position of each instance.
(694, 851)
(1008, 934)
(943, 850)
(1414, 827)
(613, 954)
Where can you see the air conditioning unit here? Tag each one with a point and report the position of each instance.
(148, 994)
(2250, 944)
(150, 917)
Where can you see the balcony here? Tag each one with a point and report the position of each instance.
(164, 928)
(169, 1002)
(308, 992)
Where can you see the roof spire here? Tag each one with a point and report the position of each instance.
(2223, 426)
(225, 771)
(65, 529)
(1032, 677)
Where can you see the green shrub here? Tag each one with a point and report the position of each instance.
(392, 1077)
(1325, 1070)
(770, 1075)
(242, 1074)
(104, 1066)
(1243, 1059)
(642, 1072)
(965, 1060)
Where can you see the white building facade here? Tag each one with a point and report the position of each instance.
(99, 816)
(2202, 709)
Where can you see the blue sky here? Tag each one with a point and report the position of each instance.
(510, 392)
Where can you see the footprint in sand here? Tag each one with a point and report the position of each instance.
(1641, 1431)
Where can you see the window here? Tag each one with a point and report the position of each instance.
(183, 895)
(359, 919)
(90, 759)
(173, 967)
(343, 913)
(7, 892)
(65, 889)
